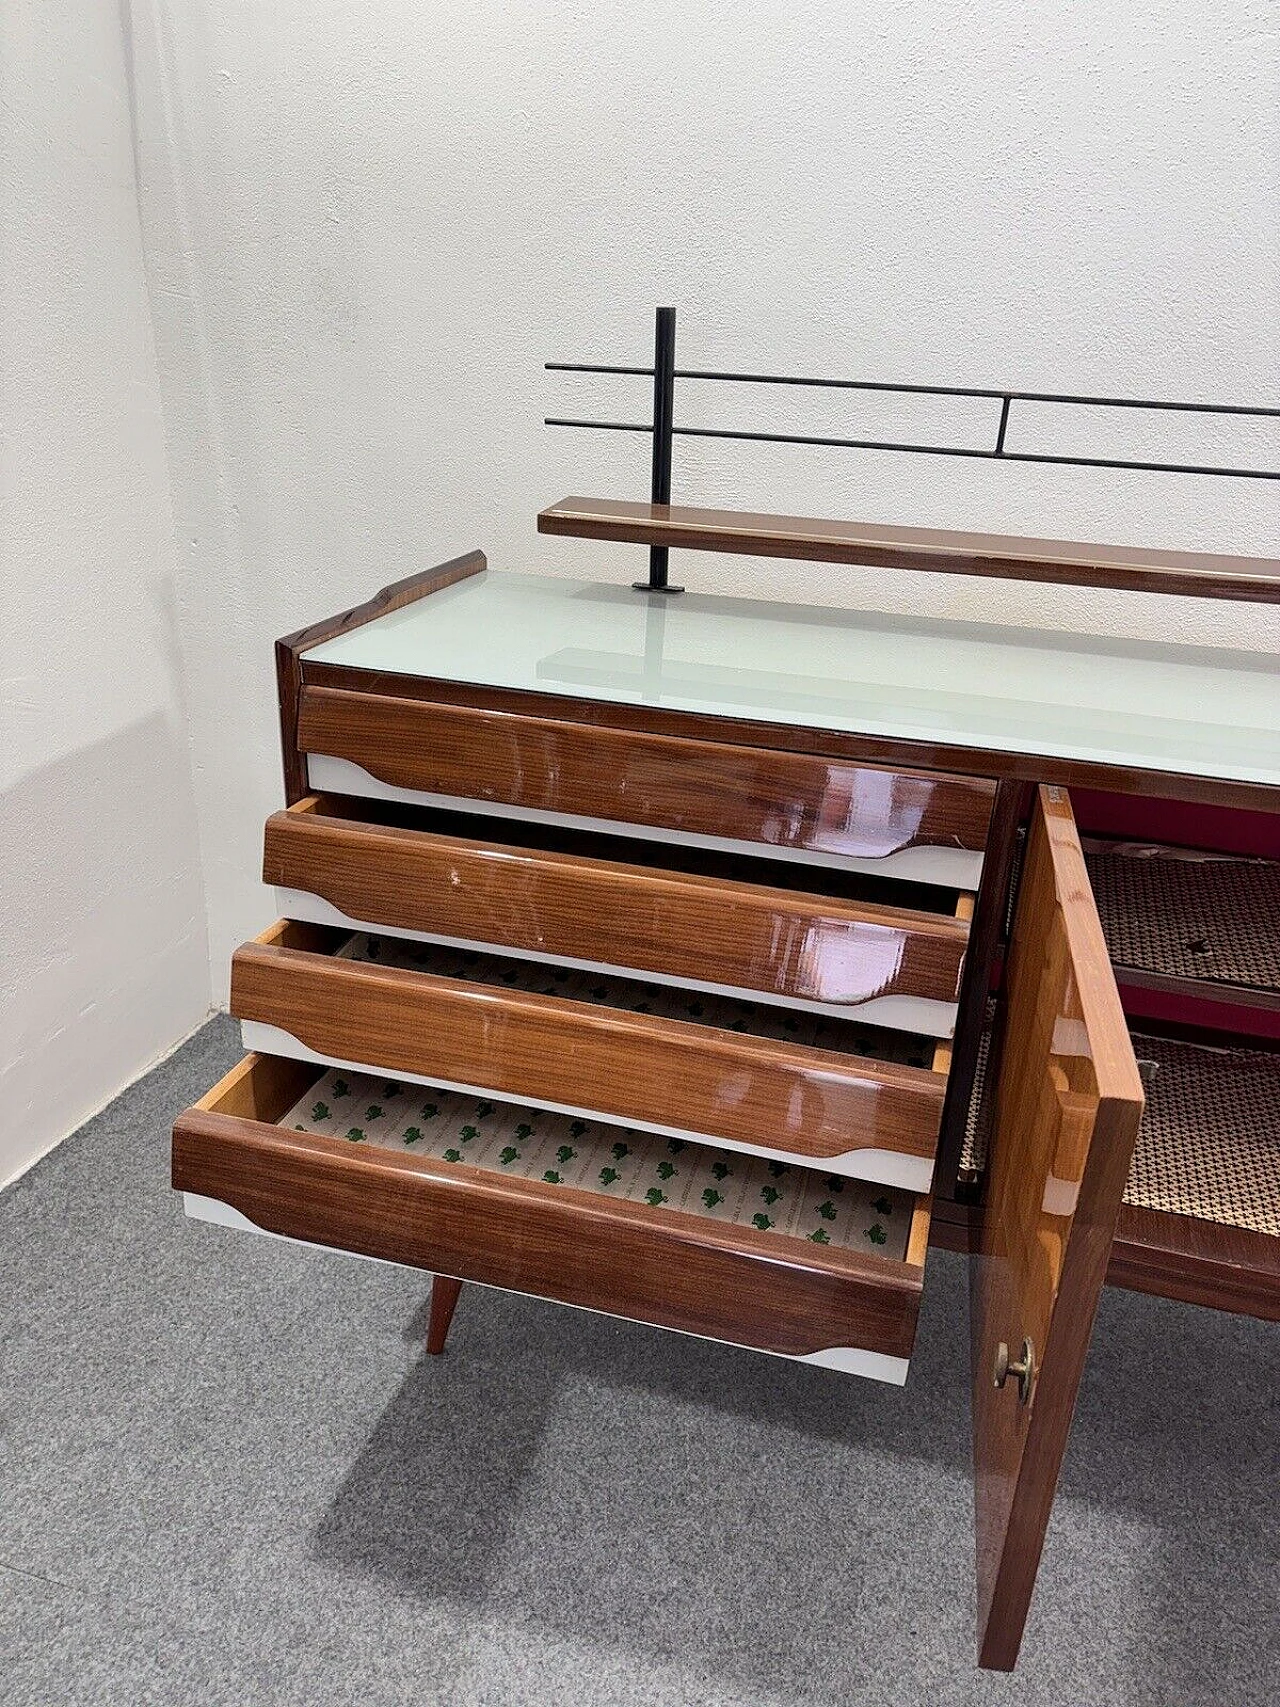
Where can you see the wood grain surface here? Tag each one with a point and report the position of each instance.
(1068, 1102)
(650, 1264)
(708, 788)
(670, 923)
(1198, 1262)
(290, 648)
(875, 545)
(626, 1066)
(863, 748)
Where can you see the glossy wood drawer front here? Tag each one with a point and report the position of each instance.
(896, 966)
(913, 824)
(875, 1119)
(669, 1267)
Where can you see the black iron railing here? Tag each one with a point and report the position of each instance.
(663, 428)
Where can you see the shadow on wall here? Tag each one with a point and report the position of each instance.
(104, 954)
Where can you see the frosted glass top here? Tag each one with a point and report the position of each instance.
(1191, 709)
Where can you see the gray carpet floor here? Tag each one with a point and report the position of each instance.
(229, 1475)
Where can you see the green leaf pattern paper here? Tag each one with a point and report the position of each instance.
(569, 1153)
(640, 1167)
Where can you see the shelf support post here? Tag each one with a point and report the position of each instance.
(664, 386)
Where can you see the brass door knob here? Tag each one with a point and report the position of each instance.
(1024, 1370)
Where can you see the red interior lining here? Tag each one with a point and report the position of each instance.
(1220, 829)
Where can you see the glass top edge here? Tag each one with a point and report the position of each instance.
(926, 681)
(559, 589)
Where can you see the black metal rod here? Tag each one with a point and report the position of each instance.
(929, 390)
(664, 371)
(1004, 422)
(923, 450)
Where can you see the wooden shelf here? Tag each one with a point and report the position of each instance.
(1165, 1255)
(1201, 1217)
(874, 546)
(1189, 923)
(1196, 1262)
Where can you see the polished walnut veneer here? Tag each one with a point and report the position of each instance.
(949, 756)
(788, 802)
(874, 545)
(290, 648)
(1196, 1262)
(649, 1264)
(1042, 1213)
(672, 924)
(874, 1119)
(1068, 1101)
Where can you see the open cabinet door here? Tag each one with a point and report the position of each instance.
(1068, 1102)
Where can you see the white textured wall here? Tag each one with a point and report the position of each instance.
(103, 956)
(368, 225)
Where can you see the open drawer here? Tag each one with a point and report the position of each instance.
(922, 826)
(339, 861)
(793, 1087)
(756, 1253)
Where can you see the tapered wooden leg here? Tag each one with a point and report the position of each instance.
(444, 1299)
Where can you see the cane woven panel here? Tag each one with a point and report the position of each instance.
(1188, 915)
(1209, 1143)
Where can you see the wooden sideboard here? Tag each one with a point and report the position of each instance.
(704, 961)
